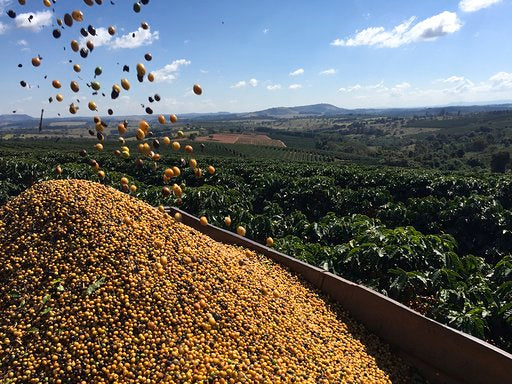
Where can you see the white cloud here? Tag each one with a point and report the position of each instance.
(379, 87)
(476, 5)
(243, 83)
(169, 72)
(405, 33)
(240, 84)
(297, 72)
(3, 28)
(327, 72)
(22, 43)
(102, 38)
(501, 81)
(266, 30)
(4, 4)
(352, 88)
(142, 37)
(295, 86)
(399, 89)
(273, 87)
(445, 91)
(456, 84)
(451, 79)
(203, 71)
(38, 21)
(404, 85)
(376, 88)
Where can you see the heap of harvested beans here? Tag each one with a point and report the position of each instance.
(99, 287)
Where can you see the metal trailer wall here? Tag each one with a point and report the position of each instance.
(441, 354)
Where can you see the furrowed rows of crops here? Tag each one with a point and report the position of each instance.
(250, 151)
(438, 243)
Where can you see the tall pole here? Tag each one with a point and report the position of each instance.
(41, 121)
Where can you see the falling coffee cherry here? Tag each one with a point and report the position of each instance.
(56, 33)
(84, 52)
(110, 112)
(77, 15)
(197, 89)
(84, 32)
(157, 97)
(11, 14)
(75, 46)
(95, 85)
(23, 83)
(125, 84)
(74, 86)
(141, 69)
(148, 57)
(68, 20)
(73, 109)
(149, 111)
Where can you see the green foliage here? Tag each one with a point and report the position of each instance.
(441, 243)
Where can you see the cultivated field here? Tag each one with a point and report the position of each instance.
(245, 138)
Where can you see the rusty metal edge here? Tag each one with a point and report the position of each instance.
(440, 353)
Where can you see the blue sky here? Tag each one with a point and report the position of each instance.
(251, 55)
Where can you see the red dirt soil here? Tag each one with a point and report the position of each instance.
(233, 138)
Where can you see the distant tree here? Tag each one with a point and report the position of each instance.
(478, 145)
(500, 161)
(474, 163)
(460, 153)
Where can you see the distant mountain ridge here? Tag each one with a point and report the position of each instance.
(15, 118)
(303, 110)
(313, 110)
